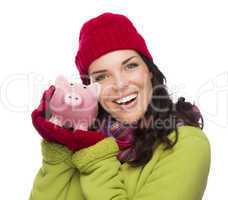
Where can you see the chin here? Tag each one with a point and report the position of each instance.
(128, 117)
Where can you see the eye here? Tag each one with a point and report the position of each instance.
(100, 77)
(71, 84)
(132, 65)
(84, 87)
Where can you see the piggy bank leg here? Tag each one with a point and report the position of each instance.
(68, 124)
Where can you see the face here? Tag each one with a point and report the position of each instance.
(125, 80)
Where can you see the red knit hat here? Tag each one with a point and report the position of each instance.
(102, 34)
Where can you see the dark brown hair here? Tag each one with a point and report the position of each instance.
(149, 132)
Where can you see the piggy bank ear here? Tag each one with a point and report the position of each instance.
(61, 81)
(95, 88)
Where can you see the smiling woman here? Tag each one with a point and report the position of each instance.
(148, 146)
(126, 86)
(151, 107)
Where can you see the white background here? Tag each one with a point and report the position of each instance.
(39, 39)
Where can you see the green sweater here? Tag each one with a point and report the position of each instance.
(95, 173)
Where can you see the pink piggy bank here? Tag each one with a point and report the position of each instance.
(74, 105)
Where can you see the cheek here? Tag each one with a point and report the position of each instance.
(148, 88)
(137, 76)
(141, 79)
(102, 95)
(145, 84)
(105, 96)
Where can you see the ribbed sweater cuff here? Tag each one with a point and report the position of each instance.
(55, 153)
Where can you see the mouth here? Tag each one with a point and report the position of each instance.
(127, 100)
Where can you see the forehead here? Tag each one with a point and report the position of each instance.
(110, 59)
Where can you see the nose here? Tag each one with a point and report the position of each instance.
(73, 99)
(121, 82)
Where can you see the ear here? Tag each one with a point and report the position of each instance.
(61, 81)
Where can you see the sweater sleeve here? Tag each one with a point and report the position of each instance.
(99, 171)
(180, 173)
(57, 178)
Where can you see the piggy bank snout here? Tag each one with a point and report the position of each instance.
(73, 99)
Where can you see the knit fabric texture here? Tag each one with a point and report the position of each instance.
(124, 136)
(104, 33)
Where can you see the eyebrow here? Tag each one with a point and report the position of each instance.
(104, 70)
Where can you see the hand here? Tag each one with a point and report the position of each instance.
(42, 112)
(74, 140)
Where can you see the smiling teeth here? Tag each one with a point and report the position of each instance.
(125, 99)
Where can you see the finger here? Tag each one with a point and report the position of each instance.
(49, 93)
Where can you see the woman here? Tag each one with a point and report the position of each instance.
(147, 148)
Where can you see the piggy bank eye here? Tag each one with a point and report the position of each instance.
(71, 84)
(84, 87)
